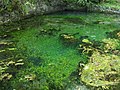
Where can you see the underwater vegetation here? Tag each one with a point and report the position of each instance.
(11, 61)
(101, 71)
(114, 34)
(55, 52)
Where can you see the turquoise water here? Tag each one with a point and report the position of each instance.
(48, 57)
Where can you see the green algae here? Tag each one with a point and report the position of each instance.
(49, 60)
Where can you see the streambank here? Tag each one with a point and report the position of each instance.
(104, 9)
(17, 10)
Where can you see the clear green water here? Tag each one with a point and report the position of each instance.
(48, 58)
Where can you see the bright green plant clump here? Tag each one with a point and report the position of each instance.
(102, 70)
(110, 44)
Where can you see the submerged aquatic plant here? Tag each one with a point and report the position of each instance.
(115, 34)
(58, 62)
(110, 44)
(69, 39)
(102, 70)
